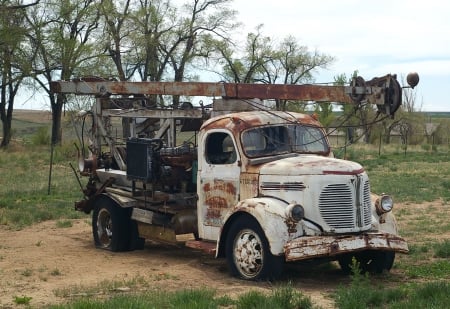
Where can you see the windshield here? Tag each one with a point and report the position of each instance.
(274, 140)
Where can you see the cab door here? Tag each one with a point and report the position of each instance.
(218, 181)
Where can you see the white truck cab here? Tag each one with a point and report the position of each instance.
(268, 188)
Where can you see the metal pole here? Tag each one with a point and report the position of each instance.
(51, 167)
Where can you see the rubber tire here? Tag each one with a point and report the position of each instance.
(369, 261)
(111, 226)
(247, 230)
(382, 261)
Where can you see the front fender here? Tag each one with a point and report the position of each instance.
(388, 224)
(270, 214)
(384, 223)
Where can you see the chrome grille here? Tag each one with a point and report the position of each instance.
(367, 213)
(339, 208)
(336, 206)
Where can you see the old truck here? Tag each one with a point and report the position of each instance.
(253, 185)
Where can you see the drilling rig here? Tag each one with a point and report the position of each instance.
(255, 186)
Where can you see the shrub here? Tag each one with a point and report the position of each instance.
(41, 137)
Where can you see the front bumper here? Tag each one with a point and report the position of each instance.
(307, 247)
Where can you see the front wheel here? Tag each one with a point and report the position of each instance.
(111, 226)
(369, 261)
(248, 254)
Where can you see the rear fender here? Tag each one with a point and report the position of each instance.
(121, 201)
(270, 215)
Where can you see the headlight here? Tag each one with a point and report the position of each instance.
(295, 212)
(384, 204)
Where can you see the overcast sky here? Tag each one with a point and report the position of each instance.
(373, 37)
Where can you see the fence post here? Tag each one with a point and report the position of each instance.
(379, 145)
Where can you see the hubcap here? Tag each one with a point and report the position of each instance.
(248, 253)
(104, 227)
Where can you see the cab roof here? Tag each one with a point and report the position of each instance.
(245, 120)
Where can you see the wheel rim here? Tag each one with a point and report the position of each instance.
(248, 253)
(104, 228)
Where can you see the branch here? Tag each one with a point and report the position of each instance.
(18, 7)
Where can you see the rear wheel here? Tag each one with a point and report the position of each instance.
(248, 254)
(111, 226)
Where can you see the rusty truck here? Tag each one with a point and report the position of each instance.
(256, 186)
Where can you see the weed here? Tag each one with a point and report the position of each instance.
(41, 137)
(43, 278)
(442, 250)
(446, 184)
(55, 272)
(362, 294)
(64, 224)
(22, 300)
(27, 272)
(102, 287)
(165, 276)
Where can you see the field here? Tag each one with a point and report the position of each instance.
(47, 255)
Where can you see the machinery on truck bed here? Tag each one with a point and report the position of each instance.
(256, 186)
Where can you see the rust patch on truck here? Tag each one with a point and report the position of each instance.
(308, 247)
(219, 196)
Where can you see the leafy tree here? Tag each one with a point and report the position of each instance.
(442, 132)
(14, 61)
(117, 31)
(325, 112)
(62, 32)
(155, 40)
(363, 116)
(265, 61)
(257, 51)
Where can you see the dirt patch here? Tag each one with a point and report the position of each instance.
(36, 116)
(50, 263)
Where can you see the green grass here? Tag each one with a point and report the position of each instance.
(367, 295)
(103, 287)
(442, 249)
(363, 292)
(24, 193)
(280, 298)
(418, 176)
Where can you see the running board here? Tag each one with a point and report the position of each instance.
(205, 246)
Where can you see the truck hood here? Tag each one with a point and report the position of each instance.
(311, 165)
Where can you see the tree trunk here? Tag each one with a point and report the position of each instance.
(6, 112)
(6, 124)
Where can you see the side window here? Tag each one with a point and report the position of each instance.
(220, 149)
